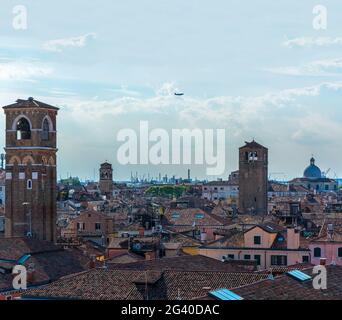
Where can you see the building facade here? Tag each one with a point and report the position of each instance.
(219, 190)
(267, 244)
(253, 178)
(30, 204)
(314, 180)
(328, 245)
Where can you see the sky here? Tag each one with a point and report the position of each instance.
(258, 69)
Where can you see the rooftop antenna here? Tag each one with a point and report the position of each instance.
(178, 295)
(146, 286)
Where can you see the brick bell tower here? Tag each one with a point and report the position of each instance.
(106, 179)
(30, 209)
(253, 179)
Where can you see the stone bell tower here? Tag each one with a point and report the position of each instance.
(30, 209)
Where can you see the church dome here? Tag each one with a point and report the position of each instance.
(312, 171)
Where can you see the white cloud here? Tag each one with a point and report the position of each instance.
(316, 128)
(167, 89)
(22, 70)
(77, 42)
(290, 121)
(217, 111)
(312, 42)
(328, 67)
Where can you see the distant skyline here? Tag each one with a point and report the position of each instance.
(260, 70)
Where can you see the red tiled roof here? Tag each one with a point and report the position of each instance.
(107, 284)
(30, 103)
(287, 288)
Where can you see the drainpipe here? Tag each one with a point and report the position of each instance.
(265, 259)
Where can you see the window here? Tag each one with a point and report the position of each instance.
(29, 184)
(305, 259)
(46, 129)
(257, 257)
(257, 240)
(280, 238)
(317, 252)
(175, 215)
(252, 156)
(97, 226)
(279, 260)
(247, 257)
(80, 226)
(231, 257)
(23, 129)
(339, 252)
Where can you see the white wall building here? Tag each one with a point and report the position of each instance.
(217, 190)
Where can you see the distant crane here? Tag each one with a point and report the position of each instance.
(276, 174)
(325, 173)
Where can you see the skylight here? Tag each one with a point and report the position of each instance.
(22, 259)
(175, 215)
(225, 294)
(299, 275)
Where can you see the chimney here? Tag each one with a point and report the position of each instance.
(203, 236)
(293, 241)
(92, 263)
(330, 231)
(31, 272)
(150, 255)
(142, 232)
(323, 261)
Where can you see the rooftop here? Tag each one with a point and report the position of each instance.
(287, 288)
(116, 284)
(30, 103)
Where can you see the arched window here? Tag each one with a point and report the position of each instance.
(29, 184)
(46, 129)
(23, 129)
(317, 252)
(339, 252)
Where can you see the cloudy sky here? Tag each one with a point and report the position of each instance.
(260, 70)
